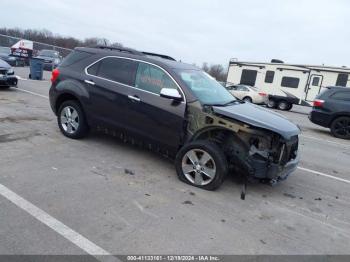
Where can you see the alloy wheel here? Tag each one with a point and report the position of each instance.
(198, 167)
(69, 119)
(342, 128)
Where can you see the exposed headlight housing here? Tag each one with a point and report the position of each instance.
(10, 71)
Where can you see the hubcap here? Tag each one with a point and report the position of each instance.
(69, 120)
(198, 167)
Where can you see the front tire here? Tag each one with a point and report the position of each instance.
(71, 120)
(201, 164)
(340, 127)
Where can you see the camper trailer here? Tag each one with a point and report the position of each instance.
(287, 84)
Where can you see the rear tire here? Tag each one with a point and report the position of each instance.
(340, 127)
(201, 164)
(4, 87)
(71, 120)
(283, 105)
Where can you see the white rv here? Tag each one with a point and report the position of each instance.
(287, 84)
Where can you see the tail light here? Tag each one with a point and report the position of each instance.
(54, 75)
(262, 94)
(318, 103)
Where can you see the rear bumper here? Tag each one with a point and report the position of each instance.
(320, 118)
(8, 81)
(260, 100)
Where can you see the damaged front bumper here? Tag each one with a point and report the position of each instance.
(272, 172)
(6, 80)
(274, 166)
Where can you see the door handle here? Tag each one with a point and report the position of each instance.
(89, 82)
(134, 98)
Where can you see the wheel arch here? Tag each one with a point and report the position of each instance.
(207, 132)
(70, 90)
(336, 116)
(65, 97)
(251, 99)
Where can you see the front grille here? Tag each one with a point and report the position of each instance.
(289, 150)
(3, 71)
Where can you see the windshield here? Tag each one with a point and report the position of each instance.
(205, 88)
(5, 50)
(48, 53)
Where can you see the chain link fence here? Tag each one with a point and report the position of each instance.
(8, 41)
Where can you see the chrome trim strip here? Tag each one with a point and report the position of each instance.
(134, 98)
(127, 58)
(89, 82)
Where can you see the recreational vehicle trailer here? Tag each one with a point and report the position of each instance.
(287, 84)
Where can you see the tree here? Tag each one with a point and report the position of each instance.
(217, 71)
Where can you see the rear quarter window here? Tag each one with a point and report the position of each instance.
(74, 57)
(118, 69)
(341, 95)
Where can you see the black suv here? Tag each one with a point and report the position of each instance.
(332, 109)
(174, 108)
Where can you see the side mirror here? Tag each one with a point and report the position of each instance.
(170, 93)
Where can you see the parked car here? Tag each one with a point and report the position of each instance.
(51, 58)
(5, 54)
(173, 108)
(248, 94)
(7, 75)
(331, 109)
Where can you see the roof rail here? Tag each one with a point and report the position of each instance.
(159, 55)
(120, 49)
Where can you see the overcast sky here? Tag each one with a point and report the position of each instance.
(313, 31)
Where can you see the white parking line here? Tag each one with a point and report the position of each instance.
(53, 223)
(29, 92)
(26, 79)
(325, 140)
(325, 175)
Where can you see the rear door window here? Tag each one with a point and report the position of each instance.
(152, 79)
(93, 70)
(120, 70)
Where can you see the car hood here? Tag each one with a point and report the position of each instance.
(3, 55)
(259, 117)
(48, 58)
(3, 64)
